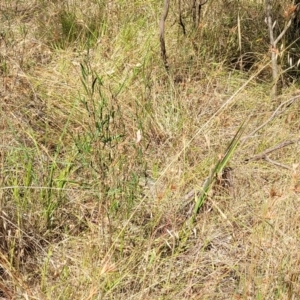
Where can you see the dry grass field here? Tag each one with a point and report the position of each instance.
(104, 155)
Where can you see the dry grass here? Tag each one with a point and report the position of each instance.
(90, 212)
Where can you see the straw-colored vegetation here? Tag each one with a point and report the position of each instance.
(120, 180)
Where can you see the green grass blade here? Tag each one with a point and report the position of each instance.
(221, 164)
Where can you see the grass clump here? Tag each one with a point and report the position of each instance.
(106, 158)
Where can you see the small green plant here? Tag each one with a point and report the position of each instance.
(99, 146)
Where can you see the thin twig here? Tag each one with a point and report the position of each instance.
(287, 26)
(283, 32)
(279, 110)
(277, 163)
(162, 33)
(273, 47)
(180, 18)
(264, 154)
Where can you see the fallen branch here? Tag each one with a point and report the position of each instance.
(279, 110)
(264, 154)
(277, 163)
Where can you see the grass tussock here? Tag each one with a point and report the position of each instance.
(104, 156)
